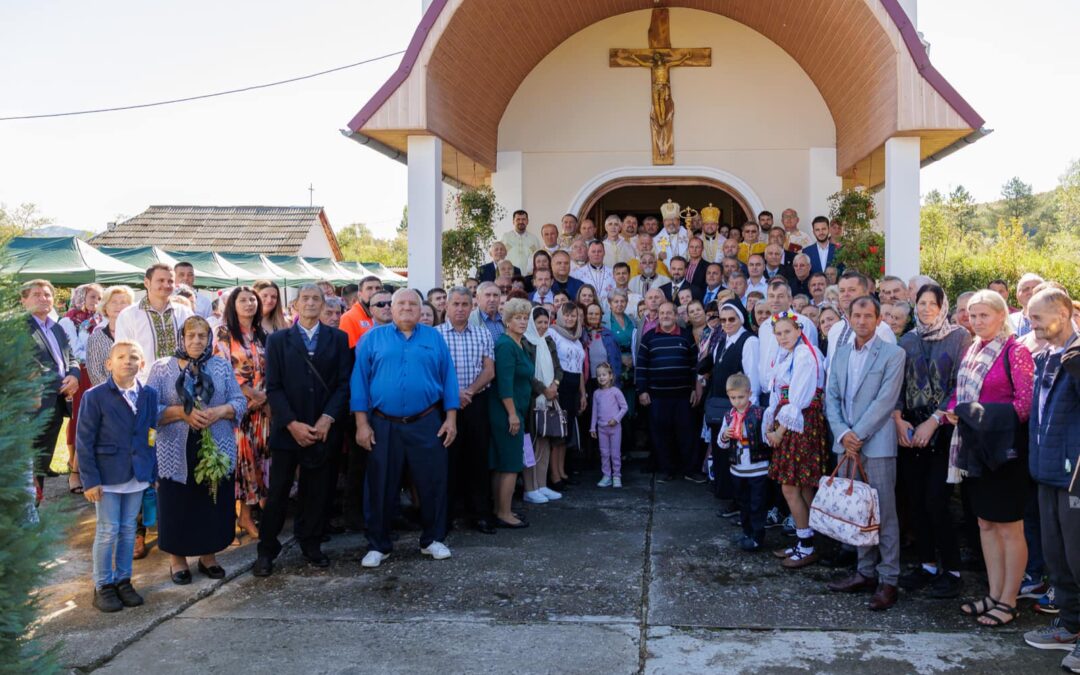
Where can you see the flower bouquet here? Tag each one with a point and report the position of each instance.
(212, 465)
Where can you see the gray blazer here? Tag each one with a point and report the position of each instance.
(874, 402)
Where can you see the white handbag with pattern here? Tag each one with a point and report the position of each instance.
(846, 509)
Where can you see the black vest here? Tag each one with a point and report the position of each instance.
(726, 363)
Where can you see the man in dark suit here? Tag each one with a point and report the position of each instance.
(307, 389)
(677, 267)
(59, 371)
(798, 275)
(488, 271)
(823, 252)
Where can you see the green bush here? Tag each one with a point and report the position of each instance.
(26, 540)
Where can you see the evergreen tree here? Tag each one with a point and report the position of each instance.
(1019, 201)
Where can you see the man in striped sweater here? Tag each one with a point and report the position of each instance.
(665, 382)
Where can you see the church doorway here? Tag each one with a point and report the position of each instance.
(642, 196)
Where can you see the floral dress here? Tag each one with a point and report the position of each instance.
(248, 361)
(796, 400)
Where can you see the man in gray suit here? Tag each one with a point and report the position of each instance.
(865, 378)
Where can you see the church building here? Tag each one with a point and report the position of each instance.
(594, 107)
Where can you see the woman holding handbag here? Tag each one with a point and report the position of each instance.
(566, 333)
(934, 351)
(546, 422)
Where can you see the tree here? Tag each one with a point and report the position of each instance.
(358, 243)
(960, 210)
(1067, 199)
(21, 220)
(464, 245)
(1019, 201)
(27, 540)
(403, 226)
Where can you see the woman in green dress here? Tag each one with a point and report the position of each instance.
(508, 408)
(622, 327)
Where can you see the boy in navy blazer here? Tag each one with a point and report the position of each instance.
(117, 462)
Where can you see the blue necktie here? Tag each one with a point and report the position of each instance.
(132, 397)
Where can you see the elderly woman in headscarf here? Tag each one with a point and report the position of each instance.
(934, 352)
(78, 323)
(543, 423)
(197, 393)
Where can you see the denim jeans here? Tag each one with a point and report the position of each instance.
(114, 539)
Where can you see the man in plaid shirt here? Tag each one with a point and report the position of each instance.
(473, 353)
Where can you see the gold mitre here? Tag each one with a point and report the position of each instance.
(669, 210)
(710, 214)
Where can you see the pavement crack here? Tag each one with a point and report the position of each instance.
(646, 581)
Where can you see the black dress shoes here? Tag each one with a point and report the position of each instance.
(263, 567)
(499, 522)
(316, 558)
(181, 577)
(484, 526)
(214, 571)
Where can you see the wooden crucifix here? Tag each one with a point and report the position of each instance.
(660, 58)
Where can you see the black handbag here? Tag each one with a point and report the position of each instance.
(551, 421)
(716, 408)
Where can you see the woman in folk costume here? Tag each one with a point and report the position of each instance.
(997, 377)
(796, 429)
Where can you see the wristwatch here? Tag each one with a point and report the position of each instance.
(939, 418)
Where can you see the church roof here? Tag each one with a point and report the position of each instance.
(864, 56)
(273, 230)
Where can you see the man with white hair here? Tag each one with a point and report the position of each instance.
(914, 284)
(1025, 288)
(616, 249)
(489, 271)
(404, 377)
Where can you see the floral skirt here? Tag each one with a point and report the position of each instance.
(801, 458)
(253, 457)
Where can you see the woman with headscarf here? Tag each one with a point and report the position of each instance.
(934, 351)
(996, 378)
(796, 429)
(539, 347)
(197, 390)
(566, 333)
(79, 323)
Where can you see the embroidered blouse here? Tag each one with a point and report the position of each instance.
(802, 372)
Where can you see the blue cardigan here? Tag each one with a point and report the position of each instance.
(112, 442)
(1058, 429)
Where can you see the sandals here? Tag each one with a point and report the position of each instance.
(74, 484)
(978, 607)
(995, 621)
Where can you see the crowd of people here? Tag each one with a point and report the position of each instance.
(742, 357)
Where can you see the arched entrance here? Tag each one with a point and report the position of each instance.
(642, 196)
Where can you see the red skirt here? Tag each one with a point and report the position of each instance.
(76, 399)
(801, 458)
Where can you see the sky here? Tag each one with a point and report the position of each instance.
(1014, 62)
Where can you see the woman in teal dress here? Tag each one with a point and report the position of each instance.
(622, 327)
(507, 409)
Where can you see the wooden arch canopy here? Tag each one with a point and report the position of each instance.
(468, 58)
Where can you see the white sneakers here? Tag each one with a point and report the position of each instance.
(605, 482)
(536, 497)
(616, 482)
(550, 494)
(374, 558)
(436, 550)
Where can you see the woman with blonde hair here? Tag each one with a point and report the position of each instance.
(994, 385)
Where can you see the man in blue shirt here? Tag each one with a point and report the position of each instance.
(404, 375)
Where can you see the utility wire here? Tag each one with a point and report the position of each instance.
(200, 96)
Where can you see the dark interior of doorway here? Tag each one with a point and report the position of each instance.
(645, 200)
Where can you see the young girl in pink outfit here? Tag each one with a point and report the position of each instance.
(608, 408)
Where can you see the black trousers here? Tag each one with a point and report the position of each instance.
(751, 493)
(467, 462)
(355, 466)
(723, 482)
(1060, 513)
(397, 445)
(308, 525)
(45, 443)
(670, 426)
(922, 473)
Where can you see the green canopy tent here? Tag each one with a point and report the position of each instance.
(380, 270)
(213, 265)
(260, 267)
(66, 261)
(356, 268)
(332, 269)
(299, 267)
(145, 256)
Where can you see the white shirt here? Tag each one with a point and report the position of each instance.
(800, 238)
(132, 485)
(822, 254)
(641, 285)
(571, 353)
(841, 329)
(520, 247)
(802, 372)
(769, 346)
(134, 324)
(599, 278)
(761, 286)
(204, 306)
(310, 333)
(856, 365)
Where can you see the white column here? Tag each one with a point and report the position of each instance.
(509, 190)
(901, 207)
(425, 212)
(823, 181)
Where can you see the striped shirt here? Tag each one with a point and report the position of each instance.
(468, 349)
(665, 365)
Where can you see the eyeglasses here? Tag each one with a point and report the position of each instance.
(381, 304)
(729, 319)
(711, 317)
